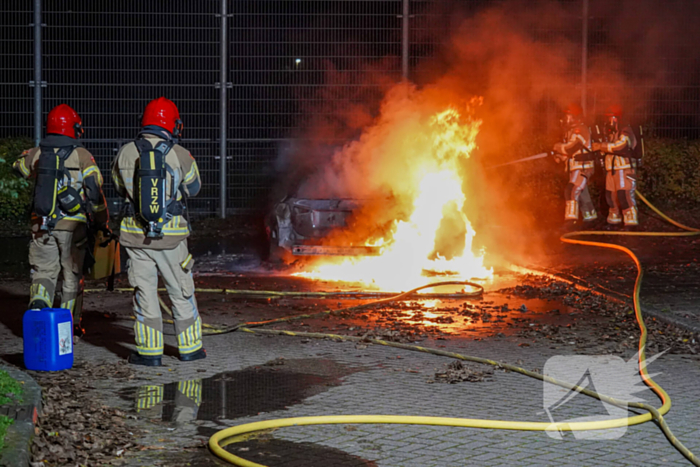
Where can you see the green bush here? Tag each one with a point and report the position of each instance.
(669, 176)
(670, 172)
(15, 192)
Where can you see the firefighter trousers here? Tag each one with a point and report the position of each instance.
(59, 252)
(174, 267)
(620, 186)
(576, 194)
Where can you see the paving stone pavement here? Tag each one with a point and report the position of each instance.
(671, 282)
(394, 382)
(387, 384)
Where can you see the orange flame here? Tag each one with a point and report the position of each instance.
(441, 147)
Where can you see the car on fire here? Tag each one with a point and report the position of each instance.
(299, 227)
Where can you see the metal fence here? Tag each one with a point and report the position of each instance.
(280, 57)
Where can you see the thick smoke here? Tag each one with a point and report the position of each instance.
(524, 59)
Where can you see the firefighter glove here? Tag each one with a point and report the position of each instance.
(107, 234)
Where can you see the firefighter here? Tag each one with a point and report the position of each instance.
(575, 152)
(620, 167)
(67, 195)
(155, 174)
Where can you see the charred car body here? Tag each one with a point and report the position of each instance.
(314, 227)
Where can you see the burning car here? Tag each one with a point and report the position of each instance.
(315, 227)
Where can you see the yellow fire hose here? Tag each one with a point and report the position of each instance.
(233, 434)
(241, 432)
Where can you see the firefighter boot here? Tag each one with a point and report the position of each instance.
(571, 211)
(589, 216)
(614, 217)
(38, 305)
(145, 360)
(198, 355)
(630, 217)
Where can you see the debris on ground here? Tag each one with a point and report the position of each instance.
(76, 428)
(457, 372)
(604, 325)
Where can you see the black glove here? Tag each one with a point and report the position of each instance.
(107, 234)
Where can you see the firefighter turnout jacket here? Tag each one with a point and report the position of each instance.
(618, 152)
(83, 175)
(183, 180)
(576, 147)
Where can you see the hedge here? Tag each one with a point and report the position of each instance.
(15, 192)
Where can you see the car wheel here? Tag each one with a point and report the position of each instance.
(278, 254)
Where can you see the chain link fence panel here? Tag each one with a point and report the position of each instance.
(288, 61)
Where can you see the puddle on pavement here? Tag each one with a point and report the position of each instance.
(273, 386)
(474, 317)
(276, 452)
(270, 452)
(497, 314)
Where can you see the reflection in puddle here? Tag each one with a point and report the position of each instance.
(182, 408)
(248, 392)
(500, 314)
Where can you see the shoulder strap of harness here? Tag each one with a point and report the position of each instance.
(62, 155)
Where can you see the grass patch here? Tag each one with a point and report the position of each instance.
(5, 422)
(10, 389)
(10, 393)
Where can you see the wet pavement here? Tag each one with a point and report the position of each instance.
(270, 387)
(276, 452)
(170, 412)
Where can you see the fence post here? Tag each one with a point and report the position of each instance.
(37, 72)
(584, 58)
(404, 40)
(222, 112)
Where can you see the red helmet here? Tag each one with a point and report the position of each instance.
(574, 110)
(614, 111)
(63, 120)
(163, 112)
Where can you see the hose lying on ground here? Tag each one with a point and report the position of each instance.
(233, 434)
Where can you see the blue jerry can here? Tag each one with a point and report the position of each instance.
(48, 339)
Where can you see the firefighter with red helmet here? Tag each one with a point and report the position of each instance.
(67, 194)
(620, 167)
(575, 152)
(155, 175)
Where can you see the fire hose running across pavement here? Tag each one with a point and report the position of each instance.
(239, 433)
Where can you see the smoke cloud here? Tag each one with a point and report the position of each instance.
(523, 58)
